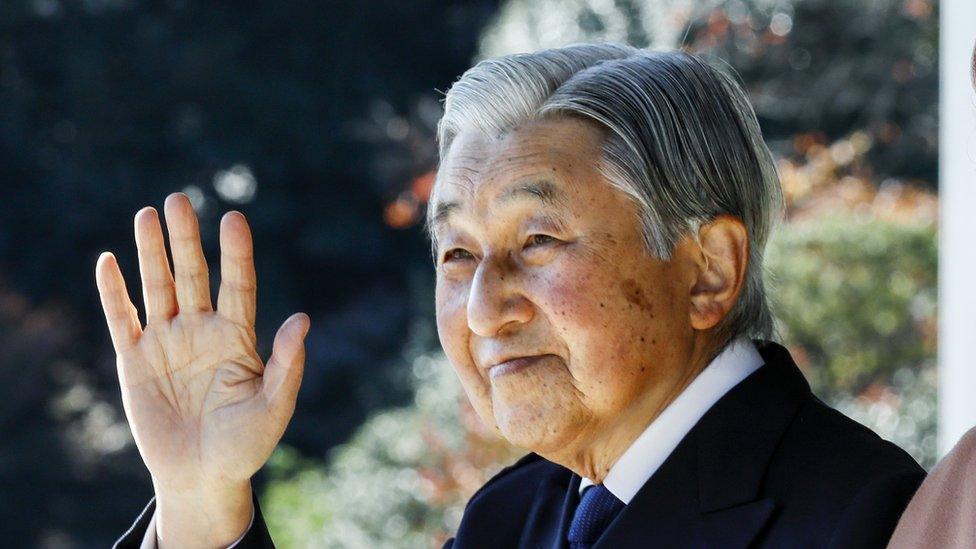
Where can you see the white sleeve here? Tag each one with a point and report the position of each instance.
(149, 539)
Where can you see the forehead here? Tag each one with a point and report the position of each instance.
(565, 151)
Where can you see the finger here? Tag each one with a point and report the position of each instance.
(192, 274)
(238, 283)
(283, 374)
(158, 290)
(120, 313)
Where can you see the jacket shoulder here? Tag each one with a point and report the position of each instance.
(846, 444)
(522, 475)
(837, 478)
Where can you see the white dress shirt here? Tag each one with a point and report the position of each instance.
(149, 540)
(649, 450)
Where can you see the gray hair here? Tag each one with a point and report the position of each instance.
(682, 142)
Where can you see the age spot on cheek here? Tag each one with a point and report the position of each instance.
(635, 295)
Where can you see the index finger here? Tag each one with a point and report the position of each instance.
(120, 313)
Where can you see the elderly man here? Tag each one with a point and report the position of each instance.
(598, 225)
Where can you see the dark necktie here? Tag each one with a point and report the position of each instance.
(595, 512)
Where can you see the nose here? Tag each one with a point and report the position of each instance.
(495, 300)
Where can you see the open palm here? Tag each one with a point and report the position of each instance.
(202, 405)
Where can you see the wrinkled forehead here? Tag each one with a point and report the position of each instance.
(566, 150)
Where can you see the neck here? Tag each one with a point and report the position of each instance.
(601, 444)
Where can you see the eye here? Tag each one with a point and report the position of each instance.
(540, 240)
(457, 254)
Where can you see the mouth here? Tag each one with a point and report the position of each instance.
(514, 365)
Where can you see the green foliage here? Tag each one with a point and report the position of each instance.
(855, 300)
(857, 296)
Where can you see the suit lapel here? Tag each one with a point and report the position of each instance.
(570, 501)
(737, 436)
(736, 526)
(552, 509)
(664, 511)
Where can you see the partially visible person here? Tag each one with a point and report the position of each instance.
(943, 511)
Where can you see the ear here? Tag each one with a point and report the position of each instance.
(724, 254)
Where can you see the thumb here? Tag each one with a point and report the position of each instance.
(283, 374)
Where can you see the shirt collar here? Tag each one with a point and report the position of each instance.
(649, 450)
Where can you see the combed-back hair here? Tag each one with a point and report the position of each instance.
(682, 141)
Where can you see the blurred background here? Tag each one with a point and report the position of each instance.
(316, 119)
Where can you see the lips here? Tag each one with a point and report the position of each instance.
(514, 365)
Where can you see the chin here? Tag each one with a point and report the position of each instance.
(543, 428)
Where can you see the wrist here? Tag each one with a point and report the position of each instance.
(203, 515)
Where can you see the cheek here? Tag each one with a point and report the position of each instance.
(612, 326)
(452, 324)
(452, 330)
(582, 311)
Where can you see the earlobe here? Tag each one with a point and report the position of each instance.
(723, 248)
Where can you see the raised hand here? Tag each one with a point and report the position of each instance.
(204, 409)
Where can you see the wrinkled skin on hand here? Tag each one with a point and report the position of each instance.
(203, 407)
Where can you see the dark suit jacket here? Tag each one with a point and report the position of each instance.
(769, 465)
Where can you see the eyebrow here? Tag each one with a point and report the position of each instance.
(542, 190)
